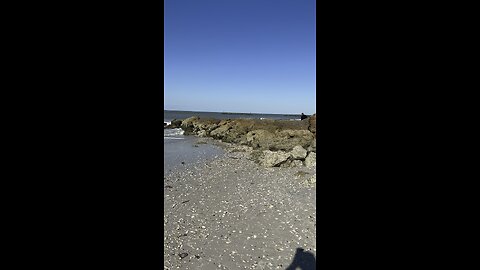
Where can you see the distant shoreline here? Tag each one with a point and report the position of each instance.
(260, 113)
(238, 113)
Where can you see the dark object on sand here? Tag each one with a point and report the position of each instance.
(303, 260)
(183, 255)
(303, 116)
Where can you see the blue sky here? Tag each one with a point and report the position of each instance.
(240, 56)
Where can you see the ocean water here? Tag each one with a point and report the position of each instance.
(179, 148)
(170, 115)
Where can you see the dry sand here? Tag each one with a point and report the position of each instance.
(230, 213)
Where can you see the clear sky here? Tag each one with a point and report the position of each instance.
(240, 56)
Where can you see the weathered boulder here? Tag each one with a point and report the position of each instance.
(175, 123)
(234, 137)
(189, 121)
(187, 125)
(284, 140)
(222, 130)
(273, 159)
(288, 139)
(298, 152)
(206, 124)
(260, 139)
(313, 146)
(311, 160)
(312, 121)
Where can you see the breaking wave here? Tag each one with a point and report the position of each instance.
(173, 134)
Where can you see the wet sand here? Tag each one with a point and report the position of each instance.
(231, 213)
(187, 150)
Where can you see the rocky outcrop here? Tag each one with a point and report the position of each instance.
(187, 125)
(274, 143)
(312, 124)
(174, 124)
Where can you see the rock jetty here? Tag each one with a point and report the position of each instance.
(271, 143)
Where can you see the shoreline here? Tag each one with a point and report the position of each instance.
(272, 143)
(187, 150)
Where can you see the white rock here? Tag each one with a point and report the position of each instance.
(311, 160)
(272, 159)
(298, 152)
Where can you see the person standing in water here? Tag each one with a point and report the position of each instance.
(303, 116)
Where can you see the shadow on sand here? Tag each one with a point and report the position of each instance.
(303, 260)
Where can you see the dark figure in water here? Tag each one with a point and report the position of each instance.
(302, 260)
(303, 116)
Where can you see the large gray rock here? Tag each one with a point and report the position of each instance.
(273, 159)
(311, 160)
(298, 152)
(313, 146)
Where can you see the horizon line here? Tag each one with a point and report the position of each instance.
(234, 112)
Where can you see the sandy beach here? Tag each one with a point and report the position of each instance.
(232, 213)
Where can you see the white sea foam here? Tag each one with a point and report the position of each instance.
(176, 132)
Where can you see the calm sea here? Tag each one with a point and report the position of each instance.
(170, 115)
